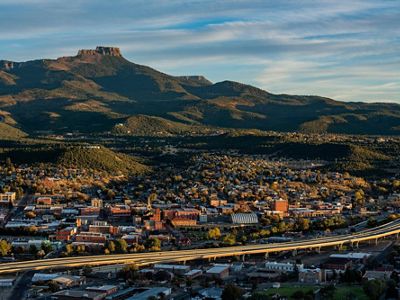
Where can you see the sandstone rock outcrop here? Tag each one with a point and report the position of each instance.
(111, 51)
(6, 65)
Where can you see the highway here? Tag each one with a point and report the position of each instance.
(148, 258)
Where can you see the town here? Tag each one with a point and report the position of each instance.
(214, 200)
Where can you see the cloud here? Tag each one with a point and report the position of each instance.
(344, 49)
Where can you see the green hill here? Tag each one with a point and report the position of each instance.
(142, 125)
(84, 156)
(100, 158)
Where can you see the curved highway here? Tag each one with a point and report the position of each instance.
(147, 258)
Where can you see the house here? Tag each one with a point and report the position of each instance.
(381, 275)
(192, 274)
(44, 201)
(146, 293)
(104, 289)
(210, 293)
(77, 295)
(62, 280)
(67, 281)
(237, 267)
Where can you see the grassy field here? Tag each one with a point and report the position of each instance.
(341, 292)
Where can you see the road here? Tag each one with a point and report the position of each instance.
(147, 258)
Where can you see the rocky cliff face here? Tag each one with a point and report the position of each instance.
(111, 51)
(6, 65)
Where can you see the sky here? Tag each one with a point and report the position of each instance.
(348, 50)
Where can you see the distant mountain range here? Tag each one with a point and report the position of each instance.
(100, 91)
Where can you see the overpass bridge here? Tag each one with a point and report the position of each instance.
(148, 258)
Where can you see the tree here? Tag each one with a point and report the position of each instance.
(110, 194)
(130, 272)
(30, 215)
(40, 253)
(153, 244)
(230, 239)
(374, 288)
(231, 292)
(33, 249)
(5, 248)
(81, 248)
(69, 249)
(328, 291)
(111, 246)
(53, 286)
(214, 233)
(303, 224)
(122, 245)
(87, 270)
(47, 247)
(299, 294)
(359, 197)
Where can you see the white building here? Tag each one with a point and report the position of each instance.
(282, 267)
(244, 218)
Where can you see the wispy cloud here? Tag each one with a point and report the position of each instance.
(342, 49)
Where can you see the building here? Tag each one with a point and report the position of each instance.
(146, 293)
(355, 257)
(68, 281)
(77, 295)
(183, 222)
(103, 227)
(280, 205)
(65, 234)
(192, 274)
(90, 238)
(44, 201)
(183, 213)
(25, 245)
(244, 218)
(106, 290)
(119, 212)
(381, 275)
(311, 276)
(218, 202)
(211, 293)
(7, 282)
(176, 269)
(90, 211)
(219, 271)
(8, 198)
(96, 203)
(282, 267)
(338, 264)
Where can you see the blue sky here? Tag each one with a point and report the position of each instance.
(344, 49)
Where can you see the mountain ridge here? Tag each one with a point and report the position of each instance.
(105, 89)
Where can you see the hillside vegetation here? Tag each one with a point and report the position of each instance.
(142, 125)
(93, 93)
(81, 157)
(100, 158)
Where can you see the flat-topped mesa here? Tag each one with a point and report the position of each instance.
(111, 51)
